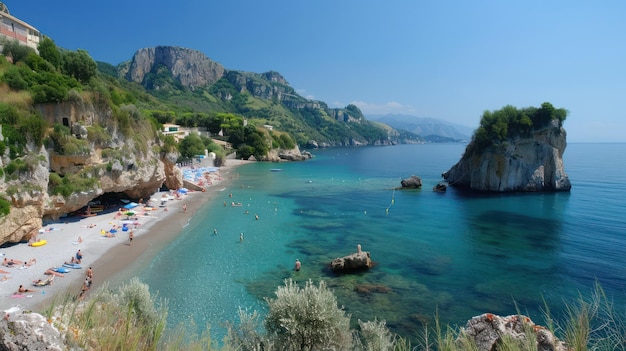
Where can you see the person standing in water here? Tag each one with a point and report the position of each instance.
(241, 237)
(297, 266)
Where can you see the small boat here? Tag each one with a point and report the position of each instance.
(276, 170)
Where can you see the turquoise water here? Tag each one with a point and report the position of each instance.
(463, 254)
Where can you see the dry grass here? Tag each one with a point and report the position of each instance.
(20, 99)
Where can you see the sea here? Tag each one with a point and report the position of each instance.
(452, 254)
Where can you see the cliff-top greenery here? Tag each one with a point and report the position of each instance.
(510, 122)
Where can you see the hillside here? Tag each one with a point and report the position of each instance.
(187, 80)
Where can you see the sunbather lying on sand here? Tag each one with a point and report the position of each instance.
(50, 271)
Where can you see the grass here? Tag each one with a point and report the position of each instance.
(129, 318)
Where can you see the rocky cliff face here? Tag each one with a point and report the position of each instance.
(190, 67)
(121, 165)
(528, 164)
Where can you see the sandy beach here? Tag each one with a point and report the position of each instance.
(107, 256)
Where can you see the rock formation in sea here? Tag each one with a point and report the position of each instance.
(354, 262)
(531, 161)
(412, 182)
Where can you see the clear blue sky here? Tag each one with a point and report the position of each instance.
(445, 59)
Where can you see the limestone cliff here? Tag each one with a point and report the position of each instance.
(128, 163)
(529, 163)
(190, 67)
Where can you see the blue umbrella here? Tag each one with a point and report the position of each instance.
(131, 205)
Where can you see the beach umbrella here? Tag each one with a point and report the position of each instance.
(183, 190)
(131, 205)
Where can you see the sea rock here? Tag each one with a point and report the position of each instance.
(356, 261)
(440, 187)
(531, 164)
(488, 329)
(29, 331)
(413, 182)
(278, 155)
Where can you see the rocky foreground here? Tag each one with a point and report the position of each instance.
(32, 331)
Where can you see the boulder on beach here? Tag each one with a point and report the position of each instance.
(354, 262)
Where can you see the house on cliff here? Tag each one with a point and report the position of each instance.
(12, 28)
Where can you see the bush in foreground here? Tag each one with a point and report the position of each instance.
(308, 318)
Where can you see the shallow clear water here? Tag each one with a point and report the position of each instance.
(463, 254)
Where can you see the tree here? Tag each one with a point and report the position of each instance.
(79, 65)
(307, 318)
(49, 52)
(192, 145)
(13, 49)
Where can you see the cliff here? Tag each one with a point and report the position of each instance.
(190, 68)
(54, 181)
(527, 163)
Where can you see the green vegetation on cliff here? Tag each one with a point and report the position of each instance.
(510, 122)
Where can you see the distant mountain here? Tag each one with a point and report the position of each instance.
(191, 82)
(430, 128)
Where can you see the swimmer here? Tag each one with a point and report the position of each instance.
(240, 237)
(297, 266)
(214, 231)
(256, 216)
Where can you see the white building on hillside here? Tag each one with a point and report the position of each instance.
(12, 28)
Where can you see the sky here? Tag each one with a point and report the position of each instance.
(450, 60)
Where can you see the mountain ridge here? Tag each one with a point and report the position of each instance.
(425, 126)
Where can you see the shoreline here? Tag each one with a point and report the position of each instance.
(110, 258)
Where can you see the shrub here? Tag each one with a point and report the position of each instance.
(307, 318)
(35, 127)
(376, 336)
(98, 135)
(5, 207)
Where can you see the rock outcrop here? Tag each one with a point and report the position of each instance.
(354, 262)
(29, 331)
(190, 67)
(488, 330)
(122, 164)
(412, 182)
(530, 164)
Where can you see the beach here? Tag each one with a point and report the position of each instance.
(108, 255)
